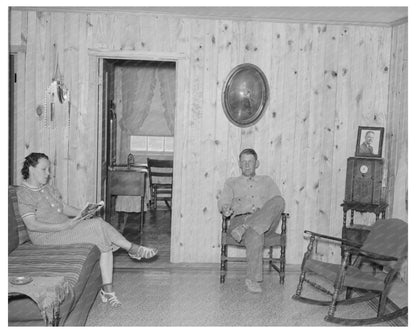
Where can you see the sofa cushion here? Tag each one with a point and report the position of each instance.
(14, 210)
(54, 260)
(75, 262)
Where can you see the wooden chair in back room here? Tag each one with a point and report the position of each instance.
(160, 181)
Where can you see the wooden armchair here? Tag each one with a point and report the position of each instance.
(385, 246)
(271, 240)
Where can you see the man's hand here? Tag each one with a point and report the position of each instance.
(227, 210)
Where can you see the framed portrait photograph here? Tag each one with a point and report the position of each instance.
(369, 141)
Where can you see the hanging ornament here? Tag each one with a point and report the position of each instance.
(61, 90)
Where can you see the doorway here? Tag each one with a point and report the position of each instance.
(137, 123)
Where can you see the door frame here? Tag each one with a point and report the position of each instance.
(96, 72)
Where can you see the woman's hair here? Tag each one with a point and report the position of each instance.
(32, 160)
(248, 151)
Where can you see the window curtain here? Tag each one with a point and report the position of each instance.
(166, 76)
(137, 94)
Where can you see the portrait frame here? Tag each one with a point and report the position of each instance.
(362, 149)
(245, 95)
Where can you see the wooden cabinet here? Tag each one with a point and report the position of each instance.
(364, 180)
(363, 193)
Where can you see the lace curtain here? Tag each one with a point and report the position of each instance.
(139, 91)
(166, 75)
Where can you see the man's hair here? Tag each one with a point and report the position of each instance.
(248, 151)
(370, 132)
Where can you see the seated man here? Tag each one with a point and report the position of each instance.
(255, 205)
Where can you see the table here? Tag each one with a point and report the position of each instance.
(127, 182)
(47, 291)
(358, 232)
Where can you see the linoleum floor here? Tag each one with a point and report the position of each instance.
(158, 293)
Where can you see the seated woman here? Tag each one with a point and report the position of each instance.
(49, 222)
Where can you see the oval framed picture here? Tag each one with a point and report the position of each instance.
(245, 95)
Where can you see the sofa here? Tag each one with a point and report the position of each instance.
(78, 263)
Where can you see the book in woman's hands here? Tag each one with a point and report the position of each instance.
(89, 210)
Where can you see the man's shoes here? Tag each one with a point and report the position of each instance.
(253, 286)
(238, 232)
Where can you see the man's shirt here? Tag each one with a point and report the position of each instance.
(247, 193)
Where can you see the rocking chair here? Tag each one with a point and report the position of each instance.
(385, 248)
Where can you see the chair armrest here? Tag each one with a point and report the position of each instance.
(285, 216)
(342, 240)
(369, 254)
(226, 219)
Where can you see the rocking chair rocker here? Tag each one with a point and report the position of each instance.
(385, 247)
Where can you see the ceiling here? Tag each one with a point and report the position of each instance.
(330, 15)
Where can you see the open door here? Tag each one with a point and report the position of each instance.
(106, 119)
(12, 82)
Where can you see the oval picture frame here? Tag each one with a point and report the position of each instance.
(245, 95)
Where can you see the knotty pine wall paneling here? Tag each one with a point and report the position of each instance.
(191, 155)
(302, 119)
(341, 142)
(227, 137)
(326, 159)
(397, 130)
(325, 80)
(397, 125)
(182, 118)
(205, 184)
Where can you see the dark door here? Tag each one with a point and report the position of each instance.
(108, 96)
(12, 82)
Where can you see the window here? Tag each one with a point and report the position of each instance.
(151, 143)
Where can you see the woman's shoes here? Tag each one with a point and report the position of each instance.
(110, 297)
(143, 252)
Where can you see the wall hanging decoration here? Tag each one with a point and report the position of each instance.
(245, 95)
(369, 141)
(55, 91)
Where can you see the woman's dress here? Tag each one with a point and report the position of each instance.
(45, 203)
